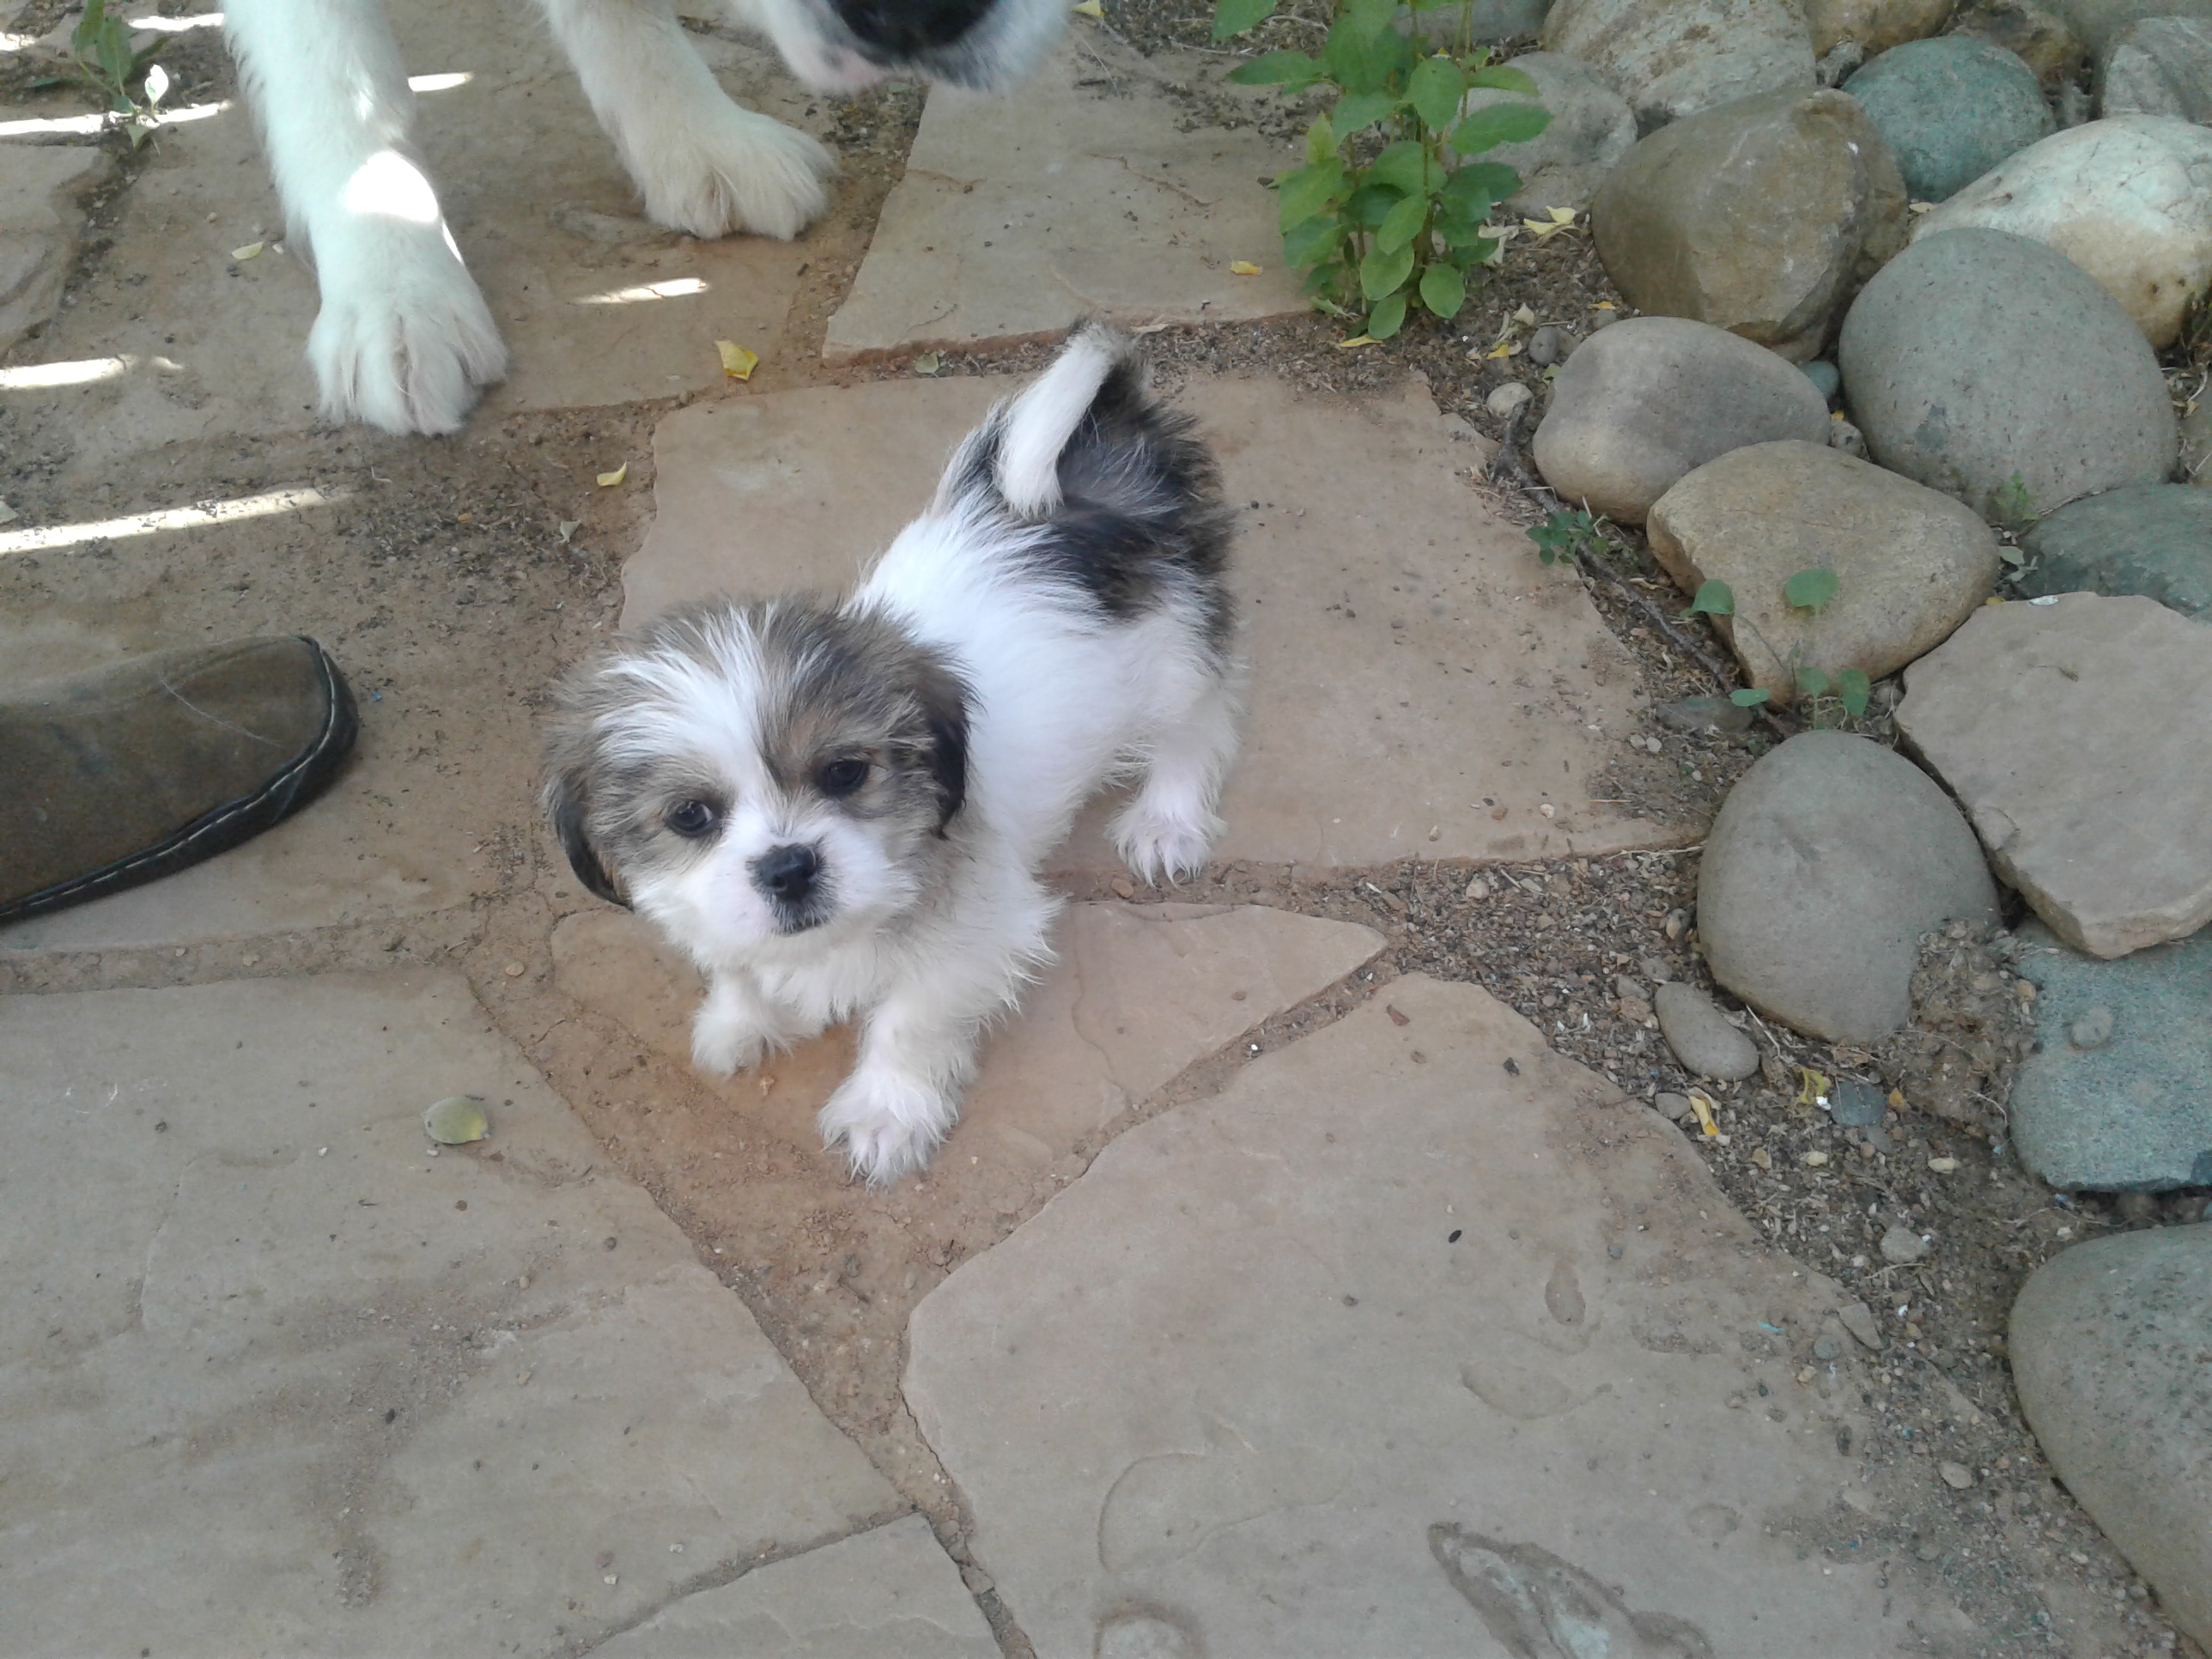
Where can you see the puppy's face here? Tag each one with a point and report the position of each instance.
(845, 47)
(762, 779)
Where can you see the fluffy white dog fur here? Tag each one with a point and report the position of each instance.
(841, 810)
(404, 341)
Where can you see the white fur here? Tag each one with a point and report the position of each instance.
(1044, 417)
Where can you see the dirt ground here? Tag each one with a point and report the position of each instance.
(446, 590)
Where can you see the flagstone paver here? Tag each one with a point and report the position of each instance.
(274, 1378)
(39, 229)
(1388, 1348)
(1087, 190)
(1419, 684)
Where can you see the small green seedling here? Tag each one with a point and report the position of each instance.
(2012, 506)
(1809, 590)
(1564, 535)
(103, 64)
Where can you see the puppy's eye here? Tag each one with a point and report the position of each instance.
(692, 819)
(842, 777)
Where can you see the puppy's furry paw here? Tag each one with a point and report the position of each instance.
(890, 1124)
(1158, 845)
(724, 1041)
(714, 169)
(403, 341)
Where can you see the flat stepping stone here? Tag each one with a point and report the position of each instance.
(1386, 1348)
(1078, 193)
(440, 1403)
(39, 229)
(1420, 686)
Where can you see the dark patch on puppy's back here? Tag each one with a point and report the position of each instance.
(892, 31)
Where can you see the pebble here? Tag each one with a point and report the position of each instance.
(1504, 399)
(1675, 1106)
(1628, 989)
(1701, 1036)
(1956, 1475)
(1858, 1319)
(1544, 346)
(1903, 1246)
(1854, 1105)
(1825, 378)
(1655, 971)
(1826, 1347)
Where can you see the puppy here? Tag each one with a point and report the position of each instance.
(841, 809)
(403, 340)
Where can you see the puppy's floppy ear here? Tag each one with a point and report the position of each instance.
(944, 703)
(566, 803)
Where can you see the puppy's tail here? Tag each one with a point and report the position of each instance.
(1036, 427)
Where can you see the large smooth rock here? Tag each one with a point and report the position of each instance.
(2107, 1346)
(2118, 1095)
(1488, 21)
(39, 229)
(2160, 66)
(2100, 23)
(2055, 724)
(1823, 867)
(1876, 25)
(1343, 1361)
(1911, 564)
(1592, 128)
(1951, 109)
(275, 1377)
(1673, 58)
(2038, 36)
(1647, 400)
(1762, 218)
(1951, 368)
(2151, 539)
(2127, 199)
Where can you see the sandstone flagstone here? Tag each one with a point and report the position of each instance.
(40, 229)
(438, 1402)
(1464, 680)
(1386, 1348)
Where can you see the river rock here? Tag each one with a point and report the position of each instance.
(1673, 58)
(1824, 867)
(1490, 22)
(2100, 23)
(2036, 35)
(2195, 465)
(1911, 564)
(2160, 66)
(1592, 128)
(1951, 109)
(2151, 539)
(2128, 199)
(2108, 1353)
(1763, 217)
(2118, 1095)
(1874, 25)
(1649, 399)
(2057, 723)
(1700, 1035)
(1951, 368)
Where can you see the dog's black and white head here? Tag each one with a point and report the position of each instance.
(848, 46)
(743, 773)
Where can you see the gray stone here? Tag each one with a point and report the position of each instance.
(1910, 564)
(1284, 1413)
(2052, 722)
(1763, 216)
(889, 1593)
(1826, 1347)
(418, 1390)
(1951, 109)
(1653, 397)
(2151, 539)
(2129, 199)
(39, 229)
(1948, 364)
(1856, 1105)
(1902, 1245)
(1544, 346)
(1714, 713)
(1825, 378)
(1874, 25)
(1858, 1319)
(1488, 21)
(1673, 1106)
(2118, 1096)
(2101, 23)
(1592, 128)
(2158, 66)
(1700, 1035)
(2036, 35)
(2107, 1348)
(1824, 867)
(1673, 58)
(2195, 466)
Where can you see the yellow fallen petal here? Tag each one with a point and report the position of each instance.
(929, 362)
(609, 480)
(1092, 9)
(1244, 268)
(1702, 1104)
(1561, 216)
(1503, 348)
(1356, 342)
(737, 362)
(248, 251)
(1943, 1165)
(1525, 317)
(1540, 228)
(1897, 1098)
(1816, 1086)
(1603, 305)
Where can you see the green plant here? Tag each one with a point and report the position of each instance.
(1377, 218)
(1564, 535)
(103, 64)
(2012, 505)
(1809, 590)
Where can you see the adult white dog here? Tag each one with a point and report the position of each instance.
(404, 341)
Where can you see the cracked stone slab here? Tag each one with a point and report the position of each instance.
(1419, 684)
(1139, 994)
(1386, 1348)
(39, 228)
(890, 1593)
(1087, 190)
(439, 1403)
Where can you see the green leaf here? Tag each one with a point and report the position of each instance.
(1361, 111)
(1383, 272)
(1478, 249)
(1436, 86)
(1749, 697)
(1388, 317)
(1499, 124)
(1443, 289)
(1355, 61)
(1372, 17)
(1313, 241)
(1504, 78)
(1810, 590)
(1402, 224)
(1370, 205)
(1486, 183)
(1812, 683)
(1852, 687)
(1235, 16)
(1715, 598)
(1305, 192)
(1403, 167)
(1294, 71)
(1320, 139)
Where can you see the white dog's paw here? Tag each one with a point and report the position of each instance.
(403, 341)
(712, 169)
(1160, 845)
(890, 1124)
(725, 1043)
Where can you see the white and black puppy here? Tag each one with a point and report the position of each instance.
(839, 809)
(403, 340)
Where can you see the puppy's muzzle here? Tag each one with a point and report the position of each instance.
(790, 878)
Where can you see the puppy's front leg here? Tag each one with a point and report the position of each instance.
(403, 339)
(736, 1026)
(916, 1056)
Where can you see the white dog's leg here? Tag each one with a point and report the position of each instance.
(403, 340)
(703, 164)
(736, 1026)
(1166, 830)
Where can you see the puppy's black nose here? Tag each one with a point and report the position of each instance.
(786, 874)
